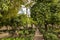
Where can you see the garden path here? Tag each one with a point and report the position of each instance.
(38, 35)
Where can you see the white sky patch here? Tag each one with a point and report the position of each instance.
(22, 10)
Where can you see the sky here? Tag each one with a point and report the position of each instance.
(24, 10)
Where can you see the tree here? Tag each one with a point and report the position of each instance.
(45, 12)
(9, 9)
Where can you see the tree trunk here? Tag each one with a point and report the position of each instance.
(52, 26)
(46, 27)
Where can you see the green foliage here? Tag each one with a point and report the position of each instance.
(18, 38)
(25, 20)
(44, 11)
(9, 8)
(20, 20)
(9, 13)
(50, 36)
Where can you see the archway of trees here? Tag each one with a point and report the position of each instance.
(45, 15)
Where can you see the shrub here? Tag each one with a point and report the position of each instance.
(50, 36)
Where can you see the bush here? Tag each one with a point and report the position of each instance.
(50, 36)
(26, 38)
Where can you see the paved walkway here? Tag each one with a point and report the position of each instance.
(38, 35)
